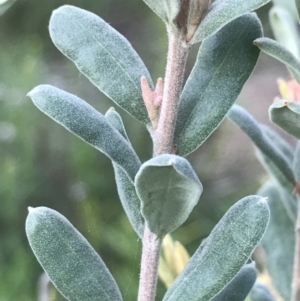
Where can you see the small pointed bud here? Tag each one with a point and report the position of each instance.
(152, 99)
(30, 209)
(190, 16)
(159, 90)
(146, 92)
(197, 10)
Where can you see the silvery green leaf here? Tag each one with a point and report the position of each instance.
(225, 251)
(279, 241)
(288, 5)
(261, 293)
(239, 287)
(83, 120)
(281, 53)
(221, 12)
(165, 9)
(296, 162)
(224, 63)
(297, 2)
(286, 114)
(115, 120)
(282, 145)
(126, 190)
(288, 199)
(103, 55)
(72, 264)
(168, 189)
(251, 127)
(285, 29)
(5, 5)
(286, 151)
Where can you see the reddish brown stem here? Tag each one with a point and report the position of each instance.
(177, 57)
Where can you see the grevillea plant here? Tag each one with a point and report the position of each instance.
(157, 195)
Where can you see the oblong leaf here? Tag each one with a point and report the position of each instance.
(285, 28)
(168, 189)
(239, 287)
(231, 243)
(72, 264)
(221, 12)
(103, 55)
(298, 8)
(286, 151)
(282, 145)
(261, 293)
(279, 241)
(281, 53)
(126, 189)
(165, 9)
(83, 120)
(286, 114)
(288, 200)
(251, 127)
(224, 63)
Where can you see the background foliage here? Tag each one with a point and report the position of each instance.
(44, 165)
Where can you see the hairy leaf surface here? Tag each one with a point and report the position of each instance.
(72, 264)
(251, 127)
(280, 53)
(221, 12)
(169, 189)
(225, 62)
(83, 120)
(165, 9)
(279, 241)
(126, 189)
(231, 243)
(286, 114)
(239, 287)
(261, 293)
(103, 55)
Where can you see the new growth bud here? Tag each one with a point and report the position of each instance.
(152, 99)
(190, 16)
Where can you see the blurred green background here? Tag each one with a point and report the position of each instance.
(44, 165)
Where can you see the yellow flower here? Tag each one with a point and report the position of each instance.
(172, 261)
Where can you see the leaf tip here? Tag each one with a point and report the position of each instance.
(172, 161)
(30, 209)
(30, 93)
(252, 264)
(264, 200)
(256, 42)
